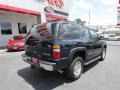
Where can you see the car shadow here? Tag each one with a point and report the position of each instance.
(14, 51)
(41, 79)
(90, 66)
(44, 80)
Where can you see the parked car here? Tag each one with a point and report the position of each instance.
(111, 37)
(65, 46)
(16, 43)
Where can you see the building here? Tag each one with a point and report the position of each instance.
(18, 16)
(118, 15)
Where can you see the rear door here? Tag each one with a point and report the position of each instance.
(96, 44)
(40, 41)
(86, 40)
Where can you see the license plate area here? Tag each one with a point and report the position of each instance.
(35, 60)
(14, 47)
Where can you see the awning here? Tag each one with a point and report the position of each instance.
(18, 10)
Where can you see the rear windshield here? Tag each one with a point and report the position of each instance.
(18, 37)
(46, 31)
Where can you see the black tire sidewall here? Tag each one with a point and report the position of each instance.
(70, 71)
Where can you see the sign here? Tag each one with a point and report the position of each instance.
(41, 0)
(49, 9)
(57, 3)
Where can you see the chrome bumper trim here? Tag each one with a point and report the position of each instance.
(49, 66)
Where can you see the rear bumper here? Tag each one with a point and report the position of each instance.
(49, 66)
(15, 47)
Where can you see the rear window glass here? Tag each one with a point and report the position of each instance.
(45, 31)
(19, 37)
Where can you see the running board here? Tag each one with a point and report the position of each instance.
(92, 60)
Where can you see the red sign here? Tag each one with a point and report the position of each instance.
(49, 9)
(42, 0)
(57, 3)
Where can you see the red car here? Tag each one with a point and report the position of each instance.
(16, 43)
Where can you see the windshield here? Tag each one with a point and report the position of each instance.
(18, 37)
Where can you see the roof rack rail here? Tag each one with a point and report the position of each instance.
(58, 20)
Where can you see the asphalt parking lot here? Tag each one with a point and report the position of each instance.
(15, 74)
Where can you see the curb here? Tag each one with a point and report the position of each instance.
(2, 50)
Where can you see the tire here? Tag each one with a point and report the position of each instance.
(103, 54)
(107, 39)
(118, 39)
(32, 66)
(74, 71)
(9, 50)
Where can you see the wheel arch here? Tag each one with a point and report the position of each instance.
(80, 51)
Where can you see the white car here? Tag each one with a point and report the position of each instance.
(112, 37)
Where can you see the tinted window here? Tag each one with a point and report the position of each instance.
(6, 28)
(22, 28)
(93, 34)
(84, 35)
(69, 31)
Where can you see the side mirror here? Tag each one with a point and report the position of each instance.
(101, 37)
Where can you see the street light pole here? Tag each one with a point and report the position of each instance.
(89, 18)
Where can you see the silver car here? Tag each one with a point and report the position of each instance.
(112, 37)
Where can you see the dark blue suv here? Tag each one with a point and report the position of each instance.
(65, 46)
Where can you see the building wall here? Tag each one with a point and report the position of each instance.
(15, 18)
(118, 17)
(36, 5)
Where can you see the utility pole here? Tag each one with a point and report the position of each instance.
(89, 18)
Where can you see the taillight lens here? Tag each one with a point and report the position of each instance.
(56, 51)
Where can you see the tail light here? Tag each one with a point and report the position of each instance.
(56, 51)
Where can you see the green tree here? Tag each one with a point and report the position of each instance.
(79, 21)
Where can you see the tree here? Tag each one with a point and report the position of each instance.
(79, 21)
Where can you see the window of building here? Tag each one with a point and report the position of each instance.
(22, 28)
(6, 28)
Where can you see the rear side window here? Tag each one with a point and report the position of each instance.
(94, 35)
(69, 31)
(74, 32)
(84, 34)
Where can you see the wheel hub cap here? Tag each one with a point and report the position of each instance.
(104, 53)
(77, 68)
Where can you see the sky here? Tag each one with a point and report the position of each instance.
(102, 12)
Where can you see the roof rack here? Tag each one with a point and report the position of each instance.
(58, 20)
